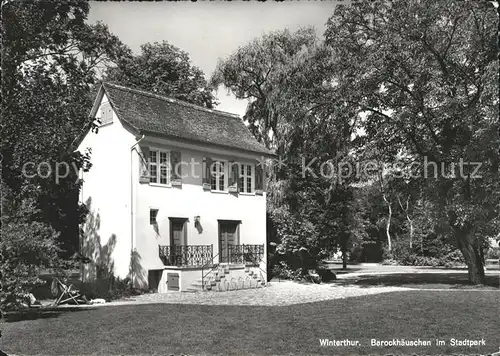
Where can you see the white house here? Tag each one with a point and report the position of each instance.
(177, 193)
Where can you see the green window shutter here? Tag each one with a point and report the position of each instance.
(207, 163)
(176, 168)
(143, 164)
(259, 179)
(234, 177)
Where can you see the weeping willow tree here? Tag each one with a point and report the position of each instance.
(288, 80)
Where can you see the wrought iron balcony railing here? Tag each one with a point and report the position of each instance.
(186, 256)
(245, 254)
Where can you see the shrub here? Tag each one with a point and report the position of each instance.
(390, 262)
(356, 254)
(108, 289)
(426, 261)
(25, 248)
(95, 289)
(312, 276)
(452, 259)
(326, 274)
(300, 245)
(283, 271)
(449, 264)
(402, 254)
(493, 253)
(123, 288)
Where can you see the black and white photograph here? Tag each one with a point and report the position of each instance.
(249, 178)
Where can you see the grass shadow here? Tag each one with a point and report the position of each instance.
(336, 267)
(340, 270)
(40, 313)
(419, 280)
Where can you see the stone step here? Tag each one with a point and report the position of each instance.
(223, 280)
(225, 288)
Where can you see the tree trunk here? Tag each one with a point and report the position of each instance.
(344, 261)
(388, 226)
(410, 222)
(344, 255)
(388, 222)
(411, 231)
(421, 234)
(471, 249)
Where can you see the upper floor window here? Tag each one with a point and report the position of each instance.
(218, 176)
(246, 182)
(106, 114)
(231, 176)
(159, 166)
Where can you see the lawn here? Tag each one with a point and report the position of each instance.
(165, 329)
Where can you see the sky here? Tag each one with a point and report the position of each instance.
(207, 31)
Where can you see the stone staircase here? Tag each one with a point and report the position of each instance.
(230, 277)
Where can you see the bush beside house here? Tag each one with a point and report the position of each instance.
(401, 254)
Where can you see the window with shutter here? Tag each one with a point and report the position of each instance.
(159, 167)
(259, 180)
(247, 173)
(144, 164)
(164, 169)
(207, 163)
(218, 176)
(176, 169)
(234, 181)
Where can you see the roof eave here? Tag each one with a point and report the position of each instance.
(243, 150)
(95, 106)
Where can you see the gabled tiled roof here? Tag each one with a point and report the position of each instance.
(155, 114)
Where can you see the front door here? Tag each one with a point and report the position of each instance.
(228, 235)
(177, 239)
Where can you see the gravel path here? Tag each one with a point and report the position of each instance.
(276, 294)
(288, 293)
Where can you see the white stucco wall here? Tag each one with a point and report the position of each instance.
(123, 204)
(108, 185)
(191, 200)
(186, 278)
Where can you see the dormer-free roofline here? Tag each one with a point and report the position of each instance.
(156, 115)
